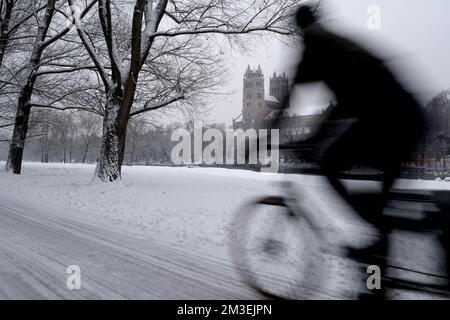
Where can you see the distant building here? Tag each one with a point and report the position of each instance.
(258, 108)
(279, 86)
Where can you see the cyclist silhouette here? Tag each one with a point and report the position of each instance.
(388, 120)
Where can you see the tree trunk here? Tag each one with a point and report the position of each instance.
(133, 146)
(113, 142)
(70, 151)
(4, 27)
(23, 104)
(2, 51)
(64, 154)
(19, 134)
(115, 123)
(86, 150)
(42, 149)
(47, 151)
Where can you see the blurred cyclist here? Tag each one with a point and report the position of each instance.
(388, 122)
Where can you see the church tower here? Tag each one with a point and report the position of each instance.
(253, 109)
(279, 86)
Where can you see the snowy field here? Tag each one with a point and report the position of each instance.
(191, 208)
(183, 206)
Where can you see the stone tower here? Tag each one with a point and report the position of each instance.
(279, 86)
(253, 108)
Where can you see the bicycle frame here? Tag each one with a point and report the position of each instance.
(435, 219)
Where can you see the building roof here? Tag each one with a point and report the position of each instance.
(271, 102)
(270, 98)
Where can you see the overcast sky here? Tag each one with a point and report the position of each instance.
(413, 38)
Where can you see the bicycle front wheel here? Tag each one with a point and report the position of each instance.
(275, 250)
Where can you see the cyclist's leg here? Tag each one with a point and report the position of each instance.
(354, 147)
(341, 155)
(336, 158)
(370, 207)
(358, 146)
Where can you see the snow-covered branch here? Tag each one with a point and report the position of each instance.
(94, 56)
(65, 70)
(155, 106)
(104, 11)
(59, 108)
(76, 20)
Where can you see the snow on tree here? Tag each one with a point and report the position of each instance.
(46, 53)
(162, 53)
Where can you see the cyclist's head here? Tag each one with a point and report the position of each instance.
(305, 16)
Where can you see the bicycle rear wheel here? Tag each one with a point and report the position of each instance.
(275, 250)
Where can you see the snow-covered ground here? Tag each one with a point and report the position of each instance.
(190, 208)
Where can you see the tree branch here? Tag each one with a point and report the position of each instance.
(91, 51)
(104, 12)
(147, 107)
(49, 106)
(68, 28)
(69, 70)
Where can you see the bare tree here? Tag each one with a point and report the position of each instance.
(15, 17)
(161, 52)
(48, 32)
(65, 136)
(436, 144)
(89, 126)
(135, 138)
(14, 14)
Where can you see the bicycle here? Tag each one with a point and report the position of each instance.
(281, 248)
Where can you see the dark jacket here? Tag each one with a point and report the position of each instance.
(362, 84)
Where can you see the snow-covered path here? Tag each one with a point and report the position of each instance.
(37, 247)
(161, 233)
